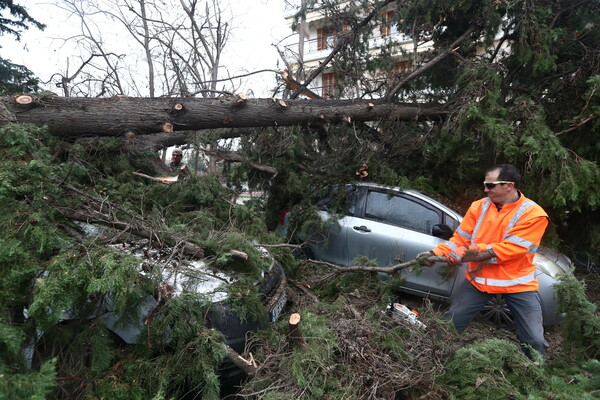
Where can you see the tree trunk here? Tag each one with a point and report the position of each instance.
(77, 117)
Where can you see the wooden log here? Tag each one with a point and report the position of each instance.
(240, 99)
(24, 99)
(130, 136)
(295, 336)
(82, 116)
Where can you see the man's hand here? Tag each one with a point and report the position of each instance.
(471, 253)
(455, 257)
(424, 258)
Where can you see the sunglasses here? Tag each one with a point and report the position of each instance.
(491, 185)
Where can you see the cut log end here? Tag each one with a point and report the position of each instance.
(295, 319)
(178, 107)
(24, 99)
(240, 99)
(239, 254)
(295, 337)
(167, 127)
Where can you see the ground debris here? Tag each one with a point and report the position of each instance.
(355, 350)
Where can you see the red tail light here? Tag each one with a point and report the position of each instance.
(282, 215)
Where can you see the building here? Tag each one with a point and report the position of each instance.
(321, 32)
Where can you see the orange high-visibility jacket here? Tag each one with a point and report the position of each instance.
(514, 233)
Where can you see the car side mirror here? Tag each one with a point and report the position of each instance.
(442, 231)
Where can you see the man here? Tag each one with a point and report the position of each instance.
(176, 165)
(499, 235)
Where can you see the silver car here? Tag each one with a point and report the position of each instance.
(392, 225)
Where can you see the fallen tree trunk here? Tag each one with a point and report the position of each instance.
(116, 116)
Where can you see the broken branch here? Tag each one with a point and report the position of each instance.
(248, 366)
(387, 270)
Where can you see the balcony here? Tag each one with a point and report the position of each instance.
(319, 48)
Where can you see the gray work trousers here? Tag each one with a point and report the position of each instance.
(525, 307)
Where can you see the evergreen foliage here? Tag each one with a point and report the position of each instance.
(582, 322)
(493, 368)
(496, 369)
(522, 89)
(535, 106)
(18, 19)
(33, 385)
(61, 277)
(15, 78)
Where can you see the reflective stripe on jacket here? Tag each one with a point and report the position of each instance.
(514, 233)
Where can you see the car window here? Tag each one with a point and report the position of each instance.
(451, 222)
(401, 211)
(340, 199)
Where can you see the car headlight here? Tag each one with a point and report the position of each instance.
(552, 266)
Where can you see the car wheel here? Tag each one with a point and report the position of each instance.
(497, 313)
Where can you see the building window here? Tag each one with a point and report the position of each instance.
(321, 39)
(328, 86)
(386, 23)
(325, 38)
(402, 67)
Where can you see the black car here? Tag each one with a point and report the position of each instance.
(178, 277)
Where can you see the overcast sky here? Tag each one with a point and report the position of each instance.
(257, 24)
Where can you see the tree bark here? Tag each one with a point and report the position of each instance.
(295, 337)
(248, 366)
(116, 116)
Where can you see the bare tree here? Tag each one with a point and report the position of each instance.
(180, 42)
(98, 69)
(175, 48)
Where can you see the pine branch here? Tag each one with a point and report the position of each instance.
(341, 44)
(387, 270)
(419, 71)
(102, 211)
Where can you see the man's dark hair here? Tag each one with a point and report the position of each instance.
(507, 173)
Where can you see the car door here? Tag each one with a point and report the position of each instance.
(394, 227)
(337, 211)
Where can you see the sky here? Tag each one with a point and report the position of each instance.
(257, 24)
